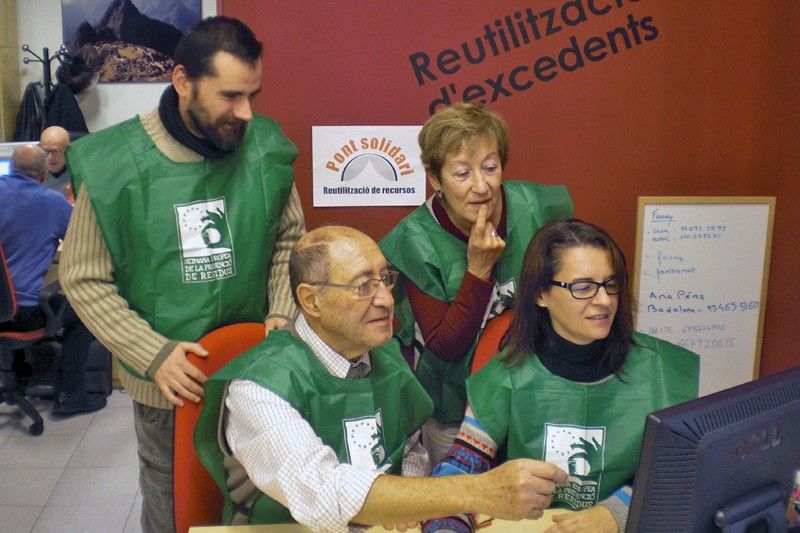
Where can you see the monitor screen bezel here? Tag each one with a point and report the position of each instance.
(686, 447)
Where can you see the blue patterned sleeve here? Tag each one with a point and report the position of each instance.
(472, 452)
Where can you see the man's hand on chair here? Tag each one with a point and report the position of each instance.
(178, 378)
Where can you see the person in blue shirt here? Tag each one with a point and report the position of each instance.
(32, 222)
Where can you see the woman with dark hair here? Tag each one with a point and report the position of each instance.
(460, 253)
(573, 382)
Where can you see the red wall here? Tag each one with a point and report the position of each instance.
(706, 104)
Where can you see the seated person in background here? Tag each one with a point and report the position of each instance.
(573, 382)
(459, 254)
(54, 141)
(318, 422)
(32, 221)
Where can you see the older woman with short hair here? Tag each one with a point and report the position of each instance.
(460, 253)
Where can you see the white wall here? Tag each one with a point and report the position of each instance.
(39, 25)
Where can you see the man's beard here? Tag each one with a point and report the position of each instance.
(225, 138)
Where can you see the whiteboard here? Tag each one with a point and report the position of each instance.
(700, 280)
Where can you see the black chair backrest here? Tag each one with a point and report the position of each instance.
(8, 303)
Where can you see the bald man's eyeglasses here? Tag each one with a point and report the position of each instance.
(52, 151)
(365, 289)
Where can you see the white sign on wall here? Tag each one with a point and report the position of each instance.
(367, 166)
(701, 278)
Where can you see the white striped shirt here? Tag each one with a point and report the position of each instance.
(285, 458)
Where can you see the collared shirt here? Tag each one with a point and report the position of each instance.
(335, 364)
(285, 458)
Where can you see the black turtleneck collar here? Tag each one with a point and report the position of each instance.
(583, 363)
(171, 117)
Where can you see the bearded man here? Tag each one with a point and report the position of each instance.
(184, 221)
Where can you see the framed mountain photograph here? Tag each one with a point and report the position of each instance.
(127, 40)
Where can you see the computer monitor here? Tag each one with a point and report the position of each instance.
(723, 462)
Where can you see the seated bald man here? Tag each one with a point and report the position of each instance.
(32, 221)
(321, 420)
(54, 141)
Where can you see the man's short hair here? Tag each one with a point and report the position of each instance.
(310, 260)
(30, 160)
(309, 263)
(203, 40)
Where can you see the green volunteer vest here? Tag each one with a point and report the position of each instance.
(592, 431)
(366, 421)
(190, 242)
(435, 261)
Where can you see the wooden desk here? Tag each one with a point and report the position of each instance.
(498, 526)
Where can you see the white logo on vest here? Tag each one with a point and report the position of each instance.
(365, 444)
(502, 298)
(206, 243)
(578, 451)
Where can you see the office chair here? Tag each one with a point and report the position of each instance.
(17, 344)
(197, 499)
(489, 342)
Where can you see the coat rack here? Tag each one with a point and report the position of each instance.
(45, 60)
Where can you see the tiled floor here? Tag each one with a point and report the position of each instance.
(80, 475)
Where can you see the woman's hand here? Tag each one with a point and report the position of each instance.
(484, 247)
(595, 519)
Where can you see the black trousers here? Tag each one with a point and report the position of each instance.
(74, 349)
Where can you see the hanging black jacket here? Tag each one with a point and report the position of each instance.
(61, 109)
(30, 114)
